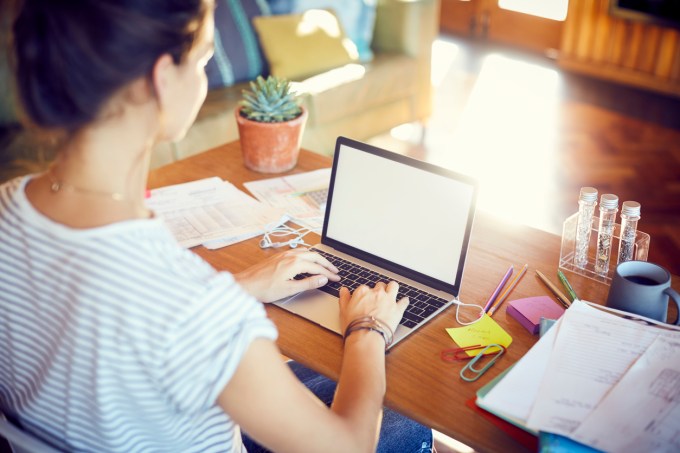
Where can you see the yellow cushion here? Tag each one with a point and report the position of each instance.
(299, 45)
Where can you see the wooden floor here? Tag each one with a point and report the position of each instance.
(533, 135)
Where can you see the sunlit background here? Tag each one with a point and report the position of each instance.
(498, 126)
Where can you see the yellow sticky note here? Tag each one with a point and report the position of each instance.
(484, 332)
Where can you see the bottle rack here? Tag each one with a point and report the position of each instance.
(640, 251)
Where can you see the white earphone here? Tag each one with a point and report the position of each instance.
(459, 304)
(283, 231)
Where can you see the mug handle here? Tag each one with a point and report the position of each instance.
(673, 294)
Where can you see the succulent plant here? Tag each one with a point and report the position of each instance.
(270, 101)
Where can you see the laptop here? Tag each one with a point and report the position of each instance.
(391, 217)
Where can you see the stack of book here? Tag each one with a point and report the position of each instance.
(598, 379)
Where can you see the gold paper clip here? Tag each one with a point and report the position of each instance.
(477, 372)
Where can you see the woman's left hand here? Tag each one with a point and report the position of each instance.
(272, 279)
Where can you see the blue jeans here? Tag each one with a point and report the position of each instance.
(398, 434)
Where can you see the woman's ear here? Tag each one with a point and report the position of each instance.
(162, 77)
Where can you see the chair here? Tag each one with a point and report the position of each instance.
(20, 441)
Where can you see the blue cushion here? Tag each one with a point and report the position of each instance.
(238, 56)
(356, 16)
(280, 6)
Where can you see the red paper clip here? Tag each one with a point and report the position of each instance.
(456, 354)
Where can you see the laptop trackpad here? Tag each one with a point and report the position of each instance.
(317, 306)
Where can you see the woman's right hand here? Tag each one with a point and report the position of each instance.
(379, 302)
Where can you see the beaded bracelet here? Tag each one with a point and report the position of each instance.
(371, 323)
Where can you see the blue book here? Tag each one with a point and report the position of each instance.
(554, 443)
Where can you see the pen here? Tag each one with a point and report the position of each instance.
(498, 289)
(567, 285)
(505, 294)
(560, 296)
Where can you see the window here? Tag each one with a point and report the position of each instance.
(549, 9)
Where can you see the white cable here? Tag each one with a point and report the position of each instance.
(461, 304)
(276, 231)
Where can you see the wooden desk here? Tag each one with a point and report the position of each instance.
(419, 384)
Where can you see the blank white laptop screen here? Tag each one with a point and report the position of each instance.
(407, 215)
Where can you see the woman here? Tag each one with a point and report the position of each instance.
(112, 337)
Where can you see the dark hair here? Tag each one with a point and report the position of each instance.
(71, 56)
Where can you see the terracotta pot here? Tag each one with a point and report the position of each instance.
(270, 147)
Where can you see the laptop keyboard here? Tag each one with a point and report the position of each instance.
(422, 304)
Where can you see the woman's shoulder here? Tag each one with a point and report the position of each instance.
(153, 241)
(144, 272)
(10, 188)
(146, 249)
(11, 185)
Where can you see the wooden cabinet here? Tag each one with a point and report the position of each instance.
(459, 16)
(485, 19)
(625, 51)
(590, 41)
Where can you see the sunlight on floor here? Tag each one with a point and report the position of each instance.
(499, 126)
(506, 138)
(405, 132)
(443, 55)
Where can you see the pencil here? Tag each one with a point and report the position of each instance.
(567, 285)
(560, 296)
(493, 296)
(505, 294)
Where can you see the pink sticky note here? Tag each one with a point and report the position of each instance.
(530, 310)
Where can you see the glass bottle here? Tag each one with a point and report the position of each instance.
(609, 205)
(586, 207)
(630, 214)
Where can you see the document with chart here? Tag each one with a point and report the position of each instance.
(211, 212)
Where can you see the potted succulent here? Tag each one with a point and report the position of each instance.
(270, 125)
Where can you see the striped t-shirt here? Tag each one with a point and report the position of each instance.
(115, 338)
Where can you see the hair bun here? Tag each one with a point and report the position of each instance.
(73, 55)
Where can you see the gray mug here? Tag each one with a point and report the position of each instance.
(643, 288)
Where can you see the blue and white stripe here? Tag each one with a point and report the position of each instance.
(115, 338)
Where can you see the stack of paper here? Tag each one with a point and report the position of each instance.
(600, 379)
(212, 212)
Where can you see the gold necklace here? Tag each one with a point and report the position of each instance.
(57, 186)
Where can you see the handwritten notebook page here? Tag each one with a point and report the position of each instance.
(515, 394)
(642, 412)
(592, 351)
